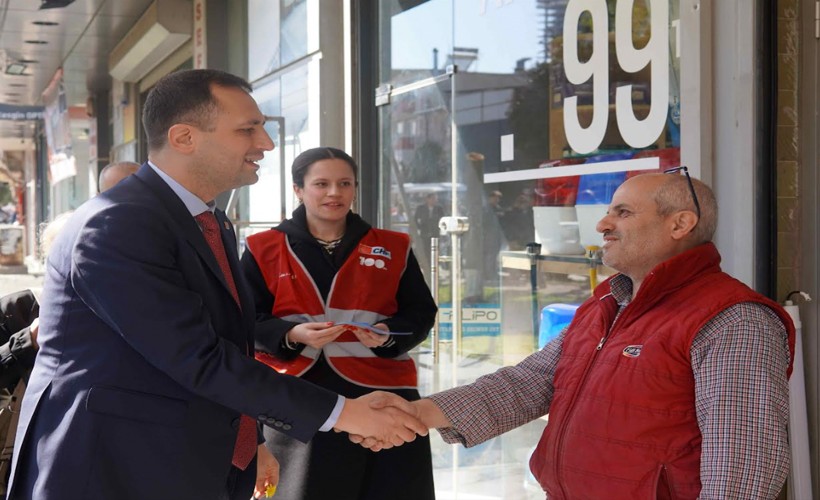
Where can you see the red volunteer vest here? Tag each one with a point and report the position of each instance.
(364, 290)
(622, 422)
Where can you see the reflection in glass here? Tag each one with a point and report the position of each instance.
(289, 97)
(509, 101)
(287, 21)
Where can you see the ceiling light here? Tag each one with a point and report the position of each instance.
(54, 4)
(15, 68)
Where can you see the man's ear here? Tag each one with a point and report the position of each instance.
(181, 138)
(683, 223)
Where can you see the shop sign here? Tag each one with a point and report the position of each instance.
(200, 38)
(637, 133)
(21, 113)
(479, 320)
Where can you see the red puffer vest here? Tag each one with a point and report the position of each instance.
(622, 423)
(364, 290)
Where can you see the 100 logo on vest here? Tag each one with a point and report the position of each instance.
(370, 262)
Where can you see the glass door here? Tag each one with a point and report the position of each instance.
(432, 188)
(512, 123)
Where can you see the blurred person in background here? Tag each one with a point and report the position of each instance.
(113, 173)
(427, 217)
(19, 325)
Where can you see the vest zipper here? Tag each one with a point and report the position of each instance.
(571, 410)
(606, 335)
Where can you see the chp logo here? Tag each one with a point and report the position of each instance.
(373, 256)
(632, 351)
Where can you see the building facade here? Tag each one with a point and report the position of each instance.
(518, 118)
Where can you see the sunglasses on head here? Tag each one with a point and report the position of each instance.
(688, 181)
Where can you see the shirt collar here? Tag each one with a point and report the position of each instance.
(621, 288)
(192, 202)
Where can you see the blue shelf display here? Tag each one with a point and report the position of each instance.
(554, 318)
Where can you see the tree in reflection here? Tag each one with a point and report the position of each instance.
(427, 164)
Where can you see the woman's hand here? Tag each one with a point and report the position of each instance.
(372, 339)
(315, 335)
(267, 473)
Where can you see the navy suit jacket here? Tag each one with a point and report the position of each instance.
(142, 373)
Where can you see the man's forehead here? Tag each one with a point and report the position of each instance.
(638, 187)
(633, 195)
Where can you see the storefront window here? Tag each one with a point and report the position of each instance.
(520, 118)
(283, 66)
(286, 102)
(278, 32)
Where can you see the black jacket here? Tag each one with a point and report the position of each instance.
(17, 350)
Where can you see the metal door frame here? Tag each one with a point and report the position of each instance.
(384, 95)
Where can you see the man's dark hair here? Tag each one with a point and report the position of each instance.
(184, 97)
(302, 163)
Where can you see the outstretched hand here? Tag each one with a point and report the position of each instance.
(385, 417)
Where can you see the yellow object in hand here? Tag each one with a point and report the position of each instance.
(270, 490)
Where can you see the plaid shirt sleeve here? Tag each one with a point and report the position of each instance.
(739, 360)
(500, 401)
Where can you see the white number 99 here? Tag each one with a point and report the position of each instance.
(642, 133)
(586, 140)
(636, 133)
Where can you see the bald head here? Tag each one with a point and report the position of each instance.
(113, 173)
(671, 194)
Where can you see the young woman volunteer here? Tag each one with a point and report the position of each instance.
(314, 277)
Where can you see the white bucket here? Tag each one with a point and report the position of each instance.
(556, 229)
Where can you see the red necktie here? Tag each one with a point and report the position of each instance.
(245, 447)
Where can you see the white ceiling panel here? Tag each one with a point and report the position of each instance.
(85, 33)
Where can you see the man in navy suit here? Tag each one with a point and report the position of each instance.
(143, 372)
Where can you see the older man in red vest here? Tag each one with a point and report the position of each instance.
(670, 382)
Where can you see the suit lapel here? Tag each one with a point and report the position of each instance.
(188, 227)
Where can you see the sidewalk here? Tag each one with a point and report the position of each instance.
(14, 282)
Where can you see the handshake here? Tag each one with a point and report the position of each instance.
(382, 420)
(377, 421)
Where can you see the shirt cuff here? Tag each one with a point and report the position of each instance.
(334, 415)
